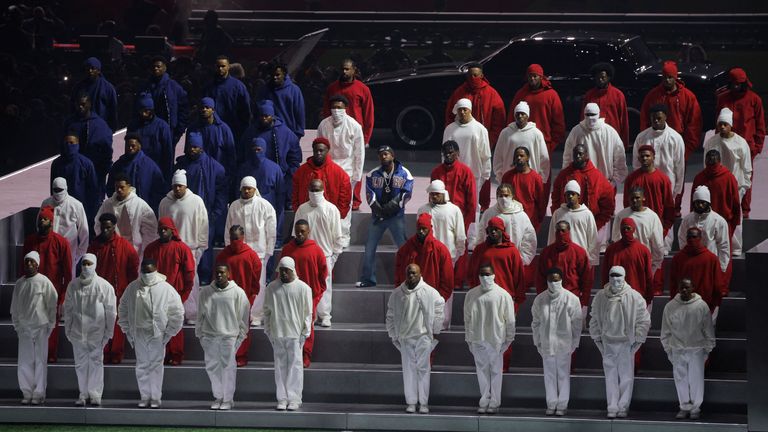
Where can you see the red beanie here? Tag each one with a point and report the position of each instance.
(738, 76)
(535, 69)
(669, 68)
(629, 221)
(46, 212)
(647, 147)
(424, 220)
(166, 222)
(321, 140)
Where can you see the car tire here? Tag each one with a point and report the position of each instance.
(415, 126)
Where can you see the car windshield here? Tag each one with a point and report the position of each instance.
(638, 53)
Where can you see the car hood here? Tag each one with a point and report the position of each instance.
(690, 71)
(437, 70)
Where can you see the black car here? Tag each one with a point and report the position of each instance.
(412, 102)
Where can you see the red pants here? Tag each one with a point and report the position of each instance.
(309, 344)
(460, 270)
(508, 352)
(114, 350)
(242, 353)
(746, 202)
(174, 351)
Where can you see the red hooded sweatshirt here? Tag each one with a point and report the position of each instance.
(530, 192)
(596, 193)
(360, 103)
(573, 260)
(613, 107)
(697, 263)
(506, 261)
(431, 256)
(748, 114)
(55, 255)
(338, 189)
(658, 194)
(546, 109)
(461, 187)
(174, 260)
(244, 266)
(635, 257)
(487, 106)
(724, 193)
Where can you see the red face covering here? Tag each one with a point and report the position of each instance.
(628, 237)
(693, 246)
(475, 82)
(562, 239)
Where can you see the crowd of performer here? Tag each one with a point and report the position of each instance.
(124, 251)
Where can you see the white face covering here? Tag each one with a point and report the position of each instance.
(554, 287)
(337, 115)
(59, 196)
(87, 271)
(592, 121)
(148, 278)
(486, 282)
(315, 198)
(504, 202)
(617, 283)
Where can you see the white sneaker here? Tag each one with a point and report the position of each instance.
(482, 410)
(324, 322)
(492, 410)
(293, 406)
(423, 409)
(26, 401)
(227, 405)
(216, 404)
(256, 322)
(37, 401)
(410, 409)
(155, 403)
(549, 412)
(80, 402)
(282, 405)
(95, 401)
(561, 412)
(143, 403)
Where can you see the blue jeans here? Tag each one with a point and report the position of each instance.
(396, 226)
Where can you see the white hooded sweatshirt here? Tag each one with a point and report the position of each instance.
(670, 154)
(190, 217)
(447, 226)
(489, 316)
(90, 309)
(33, 304)
(649, 232)
(347, 144)
(324, 223)
(223, 312)
(619, 316)
(605, 148)
(474, 147)
(512, 137)
(687, 325)
(735, 155)
(136, 221)
(416, 312)
(714, 234)
(557, 319)
(517, 224)
(258, 219)
(583, 229)
(153, 305)
(287, 309)
(70, 221)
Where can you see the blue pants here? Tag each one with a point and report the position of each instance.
(396, 226)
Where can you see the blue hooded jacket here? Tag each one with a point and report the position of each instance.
(95, 141)
(103, 99)
(218, 142)
(171, 104)
(282, 146)
(288, 102)
(157, 144)
(268, 175)
(233, 103)
(207, 179)
(82, 181)
(145, 176)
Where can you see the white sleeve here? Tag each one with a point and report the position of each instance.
(594, 244)
(271, 227)
(723, 244)
(570, 143)
(509, 309)
(390, 319)
(616, 228)
(228, 224)
(747, 158)
(679, 167)
(148, 228)
(358, 148)
(528, 243)
(201, 223)
(485, 153)
(461, 235)
(82, 232)
(619, 160)
(110, 309)
(637, 145)
(439, 311)
(657, 245)
(175, 311)
(545, 165)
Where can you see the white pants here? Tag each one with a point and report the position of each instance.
(190, 306)
(737, 240)
(557, 380)
(289, 369)
(33, 362)
(89, 367)
(414, 354)
(619, 367)
(447, 312)
(326, 301)
(257, 309)
(688, 371)
(488, 363)
(220, 365)
(150, 353)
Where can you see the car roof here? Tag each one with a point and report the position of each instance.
(576, 35)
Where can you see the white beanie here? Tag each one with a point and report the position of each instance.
(573, 186)
(179, 177)
(60, 183)
(90, 257)
(523, 108)
(591, 109)
(437, 186)
(287, 262)
(462, 103)
(248, 181)
(702, 194)
(617, 269)
(726, 116)
(34, 256)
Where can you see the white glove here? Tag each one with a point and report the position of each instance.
(635, 346)
(396, 343)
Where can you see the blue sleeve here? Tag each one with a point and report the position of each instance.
(92, 189)
(159, 188)
(228, 148)
(299, 112)
(182, 113)
(169, 150)
(293, 158)
(370, 193)
(244, 105)
(220, 202)
(112, 108)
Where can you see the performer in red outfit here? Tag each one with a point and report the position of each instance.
(528, 187)
(572, 259)
(612, 103)
(175, 261)
(360, 107)
(119, 265)
(683, 111)
(55, 264)
(338, 189)
(658, 191)
(311, 268)
(245, 269)
(723, 190)
(748, 118)
(702, 267)
(545, 105)
(430, 254)
(634, 256)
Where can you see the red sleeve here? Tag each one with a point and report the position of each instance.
(519, 273)
(446, 275)
(297, 180)
(692, 122)
(188, 269)
(470, 197)
(624, 122)
(474, 263)
(673, 276)
(556, 122)
(345, 192)
(586, 279)
(541, 201)
(668, 218)
(627, 187)
(645, 122)
(541, 271)
(322, 268)
(498, 119)
(606, 205)
(557, 192)
(733, 192)
(400, 264)
(648, 275)
(326, 110)
(759, 137)
(368, 116)
(607, 263)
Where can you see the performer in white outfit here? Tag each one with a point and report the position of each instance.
(258, 218)
(714, 228)
(735, 155)
(326, 231)
(69, 219)
(33, 313)
(89, 313)
(136, 222)
(604, 145)
(516, 222)
(414, 317)
(521, 133)
(619, 326)
(649, 230)
(150, 314)
(581, 220)
(287, 324)
(556, 327)
(222, 325)
(347, 147)
(473, 141)
(489, 322)
(688, 336)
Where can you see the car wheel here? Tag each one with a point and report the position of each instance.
(415, 126)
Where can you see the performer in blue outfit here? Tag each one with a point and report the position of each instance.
(102, 92)
(287, 98)
(269, 180)
(144, 173)
(155, 136)
(95, 138)
(81, 177)
(171, 101)
(218, 141)
(233, 103)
